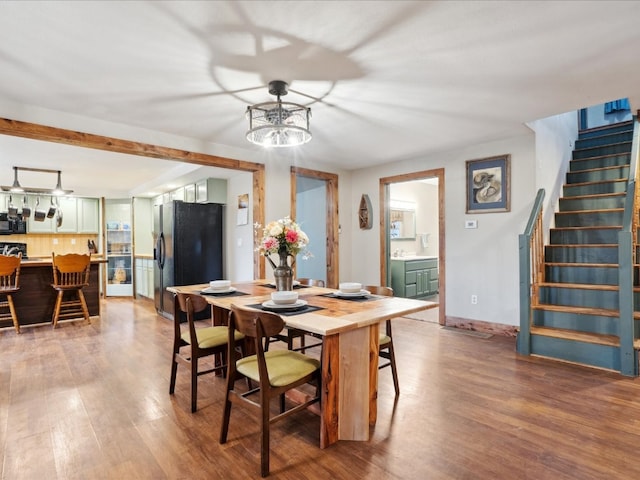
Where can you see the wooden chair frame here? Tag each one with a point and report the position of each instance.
(189, 352)
(259, 327)
(293, 333)
(385, 348)
(70, 274)
(10, 284)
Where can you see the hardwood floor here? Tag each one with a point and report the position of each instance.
(92, 402)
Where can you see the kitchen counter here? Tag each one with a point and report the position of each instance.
(36, 299)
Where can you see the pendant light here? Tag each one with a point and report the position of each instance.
(278, 124)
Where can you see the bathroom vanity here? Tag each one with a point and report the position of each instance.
(414, 276)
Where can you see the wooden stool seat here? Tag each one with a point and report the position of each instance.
(70, 274)
(9, 284)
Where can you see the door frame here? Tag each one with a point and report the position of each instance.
(385, 254)
(331, 218)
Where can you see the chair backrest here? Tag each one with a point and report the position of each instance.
(10, 271)
(311, 282)
(256, 325)
(378, 290)
(71, 270)
(190, 304)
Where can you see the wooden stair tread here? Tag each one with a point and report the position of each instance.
(582, 245)
(589, 227)
(605, 145)
(580, 286)
(595, 196)
(600, 210)
(604, 128)
(604, 312)
(585, 337)
(583, 184)
(591, 265)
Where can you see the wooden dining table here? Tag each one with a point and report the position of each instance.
(349, 328)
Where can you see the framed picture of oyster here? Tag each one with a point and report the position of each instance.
(489, 184)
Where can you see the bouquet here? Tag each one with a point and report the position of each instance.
(283, 237)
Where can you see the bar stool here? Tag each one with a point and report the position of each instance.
(70, 274)
(9, 284)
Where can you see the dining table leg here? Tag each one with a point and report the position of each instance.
(347, 390)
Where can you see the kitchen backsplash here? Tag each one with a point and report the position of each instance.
(42, 244)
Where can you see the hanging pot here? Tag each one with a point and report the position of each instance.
(52, 209)
(58, 216)
(39, 214)
(26, 209)
(12, 209)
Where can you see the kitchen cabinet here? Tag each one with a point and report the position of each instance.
(144, 277)
(79, 215)
(69, 209)
(88, 215)
(414, 277)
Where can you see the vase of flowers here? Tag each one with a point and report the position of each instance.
(284, 238)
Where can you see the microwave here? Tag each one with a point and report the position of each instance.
(14, 225)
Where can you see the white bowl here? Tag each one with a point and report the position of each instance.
(350, 287)
(220, 284)
(284, 297)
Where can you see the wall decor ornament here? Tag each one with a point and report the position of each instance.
(365, 213)
(489, 184)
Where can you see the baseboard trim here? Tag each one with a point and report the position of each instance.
(482, 326)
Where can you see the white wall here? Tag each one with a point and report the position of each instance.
(482, 261)
(554, 142)
(239, 246)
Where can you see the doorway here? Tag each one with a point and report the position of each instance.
(408, 230)
(314, 206)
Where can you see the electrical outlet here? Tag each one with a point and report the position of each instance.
(474, 299)
(73, 241)
(55, 241)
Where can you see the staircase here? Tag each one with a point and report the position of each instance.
(575, 306)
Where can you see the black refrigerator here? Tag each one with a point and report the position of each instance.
(188, 248)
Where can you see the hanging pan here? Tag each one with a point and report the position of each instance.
(39, 214)
(52, 209)
(26, 209)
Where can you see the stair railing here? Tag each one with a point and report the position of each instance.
(627, 246)
(531, 258)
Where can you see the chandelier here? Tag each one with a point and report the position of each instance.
(278, 124)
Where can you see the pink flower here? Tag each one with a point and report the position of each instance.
(270, 243)
(291, 236)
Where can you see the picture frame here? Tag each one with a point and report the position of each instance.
(489, 184)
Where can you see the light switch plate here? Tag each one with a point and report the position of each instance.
(470, 224)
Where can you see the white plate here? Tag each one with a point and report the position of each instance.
(361, 293)
(218, 291)
(270, 304)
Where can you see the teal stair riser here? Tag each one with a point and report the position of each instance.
(583, 236)
(583, 275)
(608, 139)
(599, 203)
(581, 254)
(599, 162)
(574, 321)
(595, 188)
(602, 356)
(575, 297)
(617, 127)
(602, 150)
(614, 173)
(589, 219)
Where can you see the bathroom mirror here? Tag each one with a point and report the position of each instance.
(402, 220)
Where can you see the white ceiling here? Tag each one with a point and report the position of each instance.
(391, 80)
